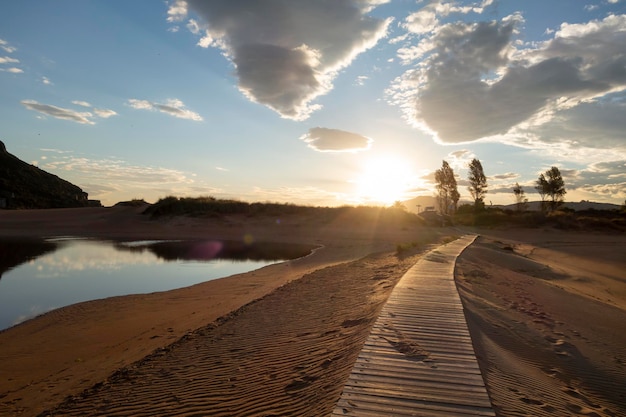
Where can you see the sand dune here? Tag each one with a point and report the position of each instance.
(547, 315)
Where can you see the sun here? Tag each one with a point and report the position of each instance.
(384, 180)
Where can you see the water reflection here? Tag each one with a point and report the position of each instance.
(40, 276)
(15, 252)
(206, 250)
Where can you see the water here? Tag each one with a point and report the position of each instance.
(37, 277)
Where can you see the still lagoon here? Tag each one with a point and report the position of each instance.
(39, 276)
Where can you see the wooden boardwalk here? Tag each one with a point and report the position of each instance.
(418, 359)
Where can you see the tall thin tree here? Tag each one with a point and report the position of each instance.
(556, 187)
(478, 183)
(447, 193)
(543, 189)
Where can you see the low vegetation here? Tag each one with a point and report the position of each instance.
(402, 248)
(213, 207)
(135, 202)
(397, 215)
(561, 218)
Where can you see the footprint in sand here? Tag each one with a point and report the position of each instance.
(553, 372)
(531, 401)
(410, 349)
(352, 323)
(572, 392)
(300, 383)
(581, 411)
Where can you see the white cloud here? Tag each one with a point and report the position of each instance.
(81, 103)
(4, 45)
(286, 54)
(602, 181)
(104, 113)
(427, 19)
(334, 140)
(46, 81)
(422, 21)
(59, 151)
(113, 179)
(117, 170)
(474, 82)
(306, 195)
(173, 107)
(193, 27)
(460, 159)
(504, 177)
(59, 112)
(177, 11)
(361, 79)
(140, 104)
(8, 60)
(13, 70)
(592, 126)
(83, 117)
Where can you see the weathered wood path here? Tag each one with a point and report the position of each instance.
(418, 359)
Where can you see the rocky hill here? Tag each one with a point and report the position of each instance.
(24, 186)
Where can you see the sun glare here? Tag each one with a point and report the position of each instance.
(384, 180)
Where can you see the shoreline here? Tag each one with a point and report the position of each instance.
(68, 350)
(286, 328)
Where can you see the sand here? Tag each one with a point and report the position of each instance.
(547, 314)
(67, 351)
(546, 309)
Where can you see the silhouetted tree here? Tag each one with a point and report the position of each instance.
(478, 183)
(447, 193)
(543, 190)
(520, 197)
(398, 205)
(551, 185)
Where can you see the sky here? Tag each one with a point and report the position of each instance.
(316, 102)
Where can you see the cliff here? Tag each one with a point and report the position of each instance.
(24, 186)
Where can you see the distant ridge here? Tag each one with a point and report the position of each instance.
(24, 186)
(578, 206)
(420, 203)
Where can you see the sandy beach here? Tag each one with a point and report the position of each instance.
(546, 310)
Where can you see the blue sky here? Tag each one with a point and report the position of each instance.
(322, 102)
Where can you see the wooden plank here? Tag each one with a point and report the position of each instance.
(419, 359)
